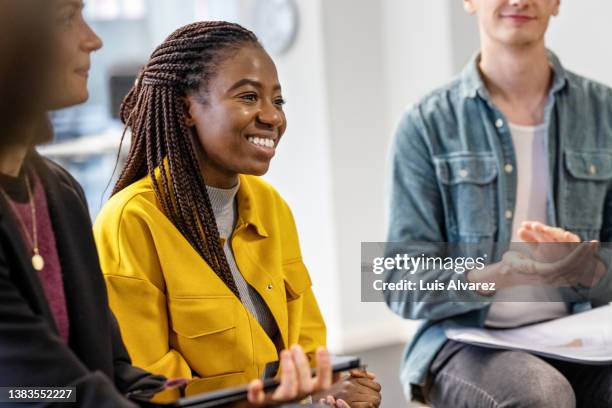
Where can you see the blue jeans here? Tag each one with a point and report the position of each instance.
(465, 376)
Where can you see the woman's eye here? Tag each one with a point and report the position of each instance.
(280, 101)
(249, 97)
(66, 20)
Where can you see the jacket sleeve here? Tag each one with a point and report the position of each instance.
(417, 216)
(305, 318)
(128, 378)
(31, 354)
(137, 293)
(312, 329)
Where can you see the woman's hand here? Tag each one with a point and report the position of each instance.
(296, 381)
(355, 390)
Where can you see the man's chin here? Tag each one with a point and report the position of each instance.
(521, 39)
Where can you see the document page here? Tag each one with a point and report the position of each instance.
(583, 337)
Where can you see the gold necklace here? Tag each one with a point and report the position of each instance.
(38, 261)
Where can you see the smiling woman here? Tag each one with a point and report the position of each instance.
(201, 256)
(239, 120)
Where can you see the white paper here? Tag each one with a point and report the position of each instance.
(583, 337)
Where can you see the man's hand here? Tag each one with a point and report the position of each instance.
(296, 381)
(570, 270)
(536, 232)
(545, 243)
(549, 242)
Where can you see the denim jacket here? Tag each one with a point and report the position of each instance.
(454, 180)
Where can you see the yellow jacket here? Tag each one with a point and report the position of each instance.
(177, 318)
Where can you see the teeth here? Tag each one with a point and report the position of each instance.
(259, 141)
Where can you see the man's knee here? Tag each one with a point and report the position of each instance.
(542, 387)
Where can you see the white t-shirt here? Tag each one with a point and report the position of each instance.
(532, 189)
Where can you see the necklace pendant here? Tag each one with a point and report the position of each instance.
(38, 262)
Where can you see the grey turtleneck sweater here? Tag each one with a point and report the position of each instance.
(225, 209)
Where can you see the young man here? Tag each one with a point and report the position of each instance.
(56, 329)
(516, 138)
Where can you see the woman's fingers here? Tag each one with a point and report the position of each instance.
(362, 373)
(305, 382)
(323, 379)
(296, 381)
(289, 381)
(366, 382)
(255, 392)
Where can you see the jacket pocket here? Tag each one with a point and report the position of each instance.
(469, 193)
(297, 280)
(588, 175)
(206, 333)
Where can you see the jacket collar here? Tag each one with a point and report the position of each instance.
(248, 211)
(472, 84)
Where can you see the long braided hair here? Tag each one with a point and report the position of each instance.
(155, 113)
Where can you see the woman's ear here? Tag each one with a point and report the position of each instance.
(468, 6)
(187, 103)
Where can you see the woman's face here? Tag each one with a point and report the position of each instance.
(76, 42)
(239, 119)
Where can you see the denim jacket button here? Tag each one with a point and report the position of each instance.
(592, 169)
(463, 173)
(508, 214)
(508, 168)
(499, 123)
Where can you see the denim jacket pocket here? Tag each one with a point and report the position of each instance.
(587, 181)
(469, 194)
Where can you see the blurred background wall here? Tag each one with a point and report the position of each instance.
(353, 68)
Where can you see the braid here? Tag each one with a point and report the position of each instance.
(154, 112)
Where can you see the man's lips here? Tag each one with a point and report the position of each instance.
(518, 17)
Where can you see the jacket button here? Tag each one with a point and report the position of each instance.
(270, 286)
(508, 214)
(592, 169)
(508, 168)
(463, 173)
(499, 123)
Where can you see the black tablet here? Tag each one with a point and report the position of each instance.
(170, 398)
